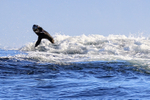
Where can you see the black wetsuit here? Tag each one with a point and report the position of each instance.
(42, 34)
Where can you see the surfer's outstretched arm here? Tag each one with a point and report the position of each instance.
(38, 41)
(48, 36)
(51, 39)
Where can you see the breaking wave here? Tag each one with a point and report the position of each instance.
(84, 48)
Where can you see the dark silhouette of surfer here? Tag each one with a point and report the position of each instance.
(42, 34)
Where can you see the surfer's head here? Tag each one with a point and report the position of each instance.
(35, 27)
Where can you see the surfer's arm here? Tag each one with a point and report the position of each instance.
(50, 39)
(38, 41)
(48, 36)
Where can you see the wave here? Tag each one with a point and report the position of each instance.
(114, 44)
(93, 44)
(85, 48)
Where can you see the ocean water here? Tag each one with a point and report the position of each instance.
(77, 68)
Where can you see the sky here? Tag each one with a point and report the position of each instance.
(71, 17)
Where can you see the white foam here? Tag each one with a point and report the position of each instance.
(90, 48)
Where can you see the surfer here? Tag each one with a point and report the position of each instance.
(42, 34)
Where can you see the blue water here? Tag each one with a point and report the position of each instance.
(91, 69)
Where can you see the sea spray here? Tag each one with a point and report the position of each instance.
(91, 48)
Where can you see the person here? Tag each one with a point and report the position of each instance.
(42, 34)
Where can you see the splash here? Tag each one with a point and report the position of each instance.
(90, 48)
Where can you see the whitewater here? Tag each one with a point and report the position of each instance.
(78, 67)
(90, 48)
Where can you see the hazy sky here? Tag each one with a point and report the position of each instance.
(71, 17)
